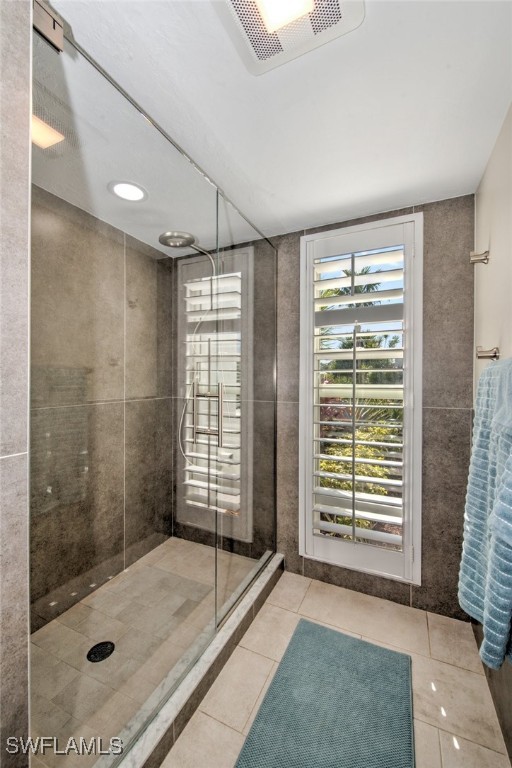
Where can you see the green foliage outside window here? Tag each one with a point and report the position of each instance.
(367, 410)
(367, 434)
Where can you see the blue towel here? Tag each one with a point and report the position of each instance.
(485, 578)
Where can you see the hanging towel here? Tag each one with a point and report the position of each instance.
(485, 578)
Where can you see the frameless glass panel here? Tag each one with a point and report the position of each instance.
(106, 558)
(153, 404)
(245, 360)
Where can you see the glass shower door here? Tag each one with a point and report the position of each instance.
(225, 489)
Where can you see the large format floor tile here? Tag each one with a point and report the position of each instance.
(260, 698)
(426, 745)
(289, 591)
(270, 632)
(205, 743)
(453, 641)
(455, 700)
(460, 753)
(365, 615)
(229, 702)
(455, 724)
(455, 721)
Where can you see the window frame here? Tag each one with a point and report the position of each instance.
(402, 566)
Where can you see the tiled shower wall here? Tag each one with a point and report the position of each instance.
(101, 407)
(447, 407)
(15, 43)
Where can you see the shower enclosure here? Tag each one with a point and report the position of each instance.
(152, 408)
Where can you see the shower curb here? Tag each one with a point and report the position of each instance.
(154, 744)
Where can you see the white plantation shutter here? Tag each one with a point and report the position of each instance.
(361, 397)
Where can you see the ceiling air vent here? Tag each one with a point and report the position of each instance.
(262, 49)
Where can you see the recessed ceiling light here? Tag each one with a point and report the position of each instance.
(43, 135)
(128, 191)
(279, 13)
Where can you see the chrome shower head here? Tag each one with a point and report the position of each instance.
(177, 239)
(184, 240)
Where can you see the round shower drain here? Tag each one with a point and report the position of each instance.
(101, 651)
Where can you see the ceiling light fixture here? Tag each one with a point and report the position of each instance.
(278, 13)
(127, 190)
(268, 33)
(43, 135)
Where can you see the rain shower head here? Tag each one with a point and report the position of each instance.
(184, 240)
(177, 239)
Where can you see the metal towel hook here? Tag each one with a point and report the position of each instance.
(489, 354)
(479, 258)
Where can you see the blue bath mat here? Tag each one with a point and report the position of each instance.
(335, 702)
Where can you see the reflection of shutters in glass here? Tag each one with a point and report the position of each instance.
(215, 368)
(213, 357)
(358, 396)
(360, 393)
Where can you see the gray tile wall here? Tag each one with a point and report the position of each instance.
(15, 31)
(447, 402)
(101, 428)
(264, 363)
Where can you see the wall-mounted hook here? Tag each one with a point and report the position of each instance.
(479, 258)
(488, 354)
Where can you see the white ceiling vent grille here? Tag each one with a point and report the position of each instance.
(262, 50)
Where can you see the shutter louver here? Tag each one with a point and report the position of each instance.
(358, 396)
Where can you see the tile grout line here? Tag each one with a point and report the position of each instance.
(13, 455)
(428, 635)
(457, 735)
(439, 747)
(216, 720)
(305, 593)
(271, 658)
(405, 650)
(259, 692)
(371, 639)
(445, 408)
(92, 403)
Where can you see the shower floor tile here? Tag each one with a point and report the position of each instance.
(464, 732)
(155, 612)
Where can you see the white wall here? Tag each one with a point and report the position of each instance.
(493, 232)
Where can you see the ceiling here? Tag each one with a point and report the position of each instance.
(105, 139)
(405, 109)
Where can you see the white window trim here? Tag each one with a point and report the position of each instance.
(372, 560)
